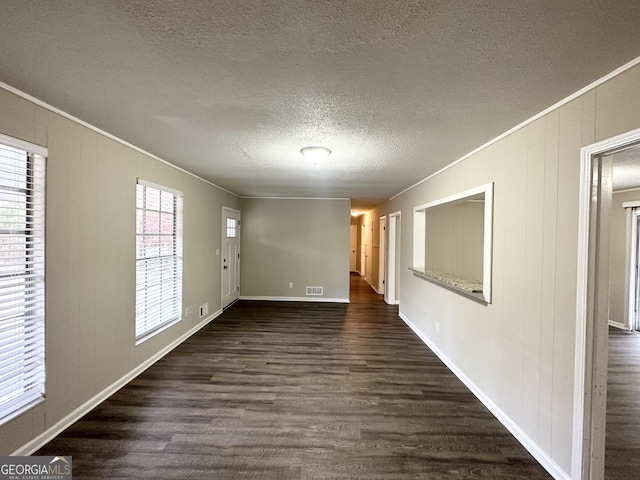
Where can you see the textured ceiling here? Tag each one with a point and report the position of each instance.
(626, 168)
(231, 90)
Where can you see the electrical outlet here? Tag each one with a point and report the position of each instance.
(290, 284)
(204, 309)
(188, 311)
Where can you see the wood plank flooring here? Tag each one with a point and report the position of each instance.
(274, 390)
(622, 454)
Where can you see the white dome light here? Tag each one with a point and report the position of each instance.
(315, 154)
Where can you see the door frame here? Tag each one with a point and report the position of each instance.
(363, 249)
(393, 259)
(382, 255)
(590, 378)
(631, 315)
(223, 224)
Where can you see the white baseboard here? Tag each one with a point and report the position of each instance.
(619, 325)
(93, 402)
(552, 467)
(296, 299)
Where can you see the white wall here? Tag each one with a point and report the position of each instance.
(518, 353)
(90, 260)
(290, 240)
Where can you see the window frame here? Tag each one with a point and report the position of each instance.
(22, 328)
(146, 324)
(420, 234)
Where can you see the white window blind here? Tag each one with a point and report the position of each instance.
(22, 367)
(158, 258)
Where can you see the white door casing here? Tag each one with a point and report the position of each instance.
(230, 264)
(383, 255)
(632, 274)
(592, 297)
(363, 249)
(393, 259)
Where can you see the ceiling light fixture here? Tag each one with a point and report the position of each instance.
(315, 154)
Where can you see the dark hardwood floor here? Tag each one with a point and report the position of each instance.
(274, 390)
(622, 455)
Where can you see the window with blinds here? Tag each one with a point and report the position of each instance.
(158, 259)
(22, 366)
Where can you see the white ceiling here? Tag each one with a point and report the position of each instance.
(626, 168)
(231, 90)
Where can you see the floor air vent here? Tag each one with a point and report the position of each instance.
(314, 291)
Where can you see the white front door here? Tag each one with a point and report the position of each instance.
(230, 256)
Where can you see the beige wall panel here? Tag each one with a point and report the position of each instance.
(301, 241)
(533, 211)
(548, 292)
(515, 282)
(492, 352)
(570, 141)
(17, 117)
(74, 268)
(618, 105)
(454, 239)
(58, 367)
(111, 328)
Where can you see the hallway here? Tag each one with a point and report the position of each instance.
(297, 390)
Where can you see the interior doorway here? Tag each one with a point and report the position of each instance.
(599, 163)
(363, 249)
(382, 257)
(632, 292)
(353, 248)
(393, 259)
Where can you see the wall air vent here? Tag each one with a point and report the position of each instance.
(315, 291)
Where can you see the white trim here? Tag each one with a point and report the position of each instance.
(93, 402)
(68, 116)
(631, 262)
(295, 299)
(232, 210)
(584, 355)
(553, 107)
(634, 189)
(157, 186)
(295, 198)
(382, 254)
(393, 258)
(23, 145)
(456, 196)
(619, 325)
(540, 455)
